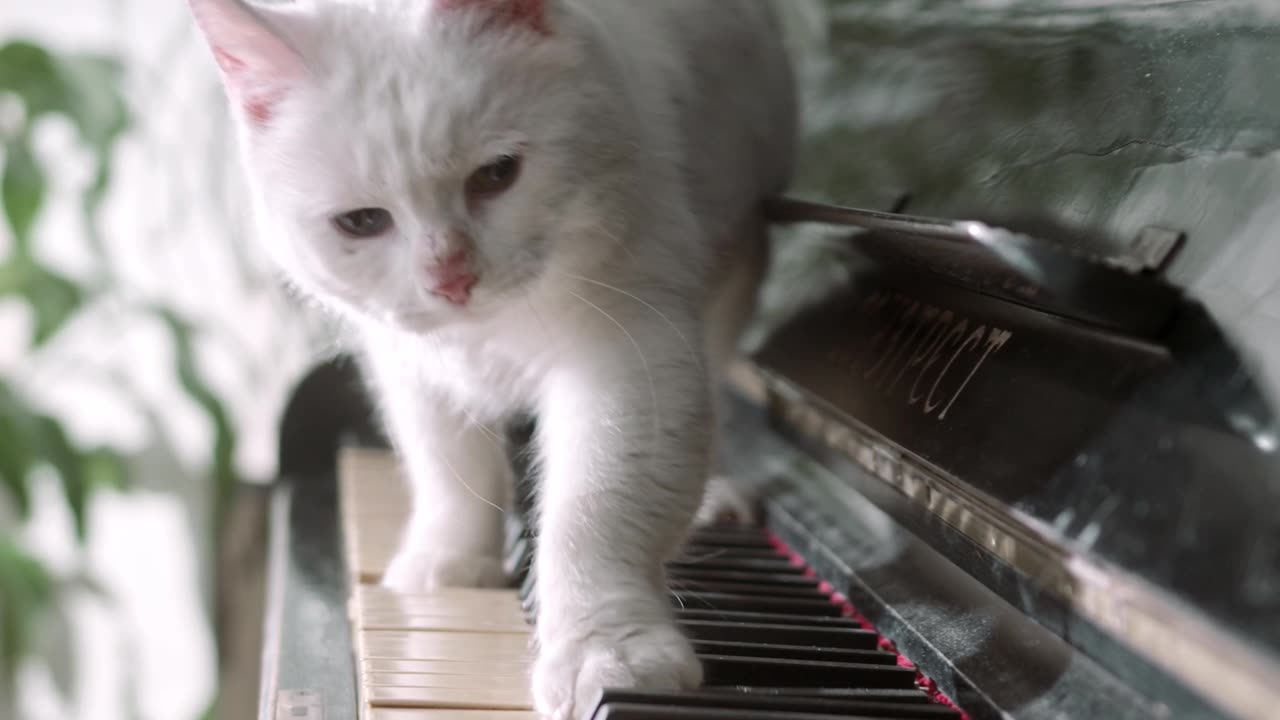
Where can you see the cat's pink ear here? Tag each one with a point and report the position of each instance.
(258, 66)
(530, 14)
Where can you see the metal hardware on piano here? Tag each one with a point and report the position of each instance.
(1032, 460)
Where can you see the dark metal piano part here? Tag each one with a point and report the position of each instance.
(1121, 293)
(306, 634)
(656, 706)
(1116, 481)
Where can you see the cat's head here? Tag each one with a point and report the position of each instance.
(411, 159)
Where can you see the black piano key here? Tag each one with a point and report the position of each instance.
(730, 671)
(519, 560)
(839, 707)
(780, 566)
(910, 696)
(707, 553)
(794, 652)
(836, 637)
(730, 537)
(723, 605)
(766, 618)
(619, 711)
(753, 603)
(738, 588)
(754, 578)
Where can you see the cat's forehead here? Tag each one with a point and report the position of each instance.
(398, 106)
(429, 90)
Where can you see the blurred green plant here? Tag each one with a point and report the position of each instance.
(37, 83)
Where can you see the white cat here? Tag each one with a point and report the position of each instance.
(528, 204)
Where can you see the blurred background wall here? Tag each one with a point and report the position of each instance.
(141, 322)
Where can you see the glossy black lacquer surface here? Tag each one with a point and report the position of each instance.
(1156, 455)
(1133, 425)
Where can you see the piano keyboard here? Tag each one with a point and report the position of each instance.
(775, 644)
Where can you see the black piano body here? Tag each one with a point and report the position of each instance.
(1036, 448)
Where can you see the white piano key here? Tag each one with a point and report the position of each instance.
(439, 623)
(445, 667)
(472, 647)
(452, 654)
(494, 698)
(386, 713)
(372, 680)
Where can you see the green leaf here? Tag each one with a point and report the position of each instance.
(92, 98)
(25, 591)
(30, 72)
(28, 438)
(100, 113)
(85, 89)
(104, 469)
(52, 297)
(15, 456)
(22, 190)
(56, 449)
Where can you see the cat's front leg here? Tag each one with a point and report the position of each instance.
(460, 481)
(625, 447)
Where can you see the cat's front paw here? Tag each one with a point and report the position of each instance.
(413, 571)
(725, 502)
(570, 673)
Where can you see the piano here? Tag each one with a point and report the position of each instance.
(1015, 441)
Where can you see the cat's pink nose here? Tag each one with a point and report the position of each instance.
(451, 278)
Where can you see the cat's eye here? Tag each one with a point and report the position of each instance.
(364, 223)
(494, 178)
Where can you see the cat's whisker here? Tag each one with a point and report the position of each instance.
(644, 361)
(680, 600)
(681, 593)
(679, 584)
(701, 558)
(619, 241)
(497, 441)
(471, 490)
(688, 346)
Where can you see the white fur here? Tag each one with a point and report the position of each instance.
(613, 277)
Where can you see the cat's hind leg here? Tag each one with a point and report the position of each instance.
(461, 483)
(731, 307)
